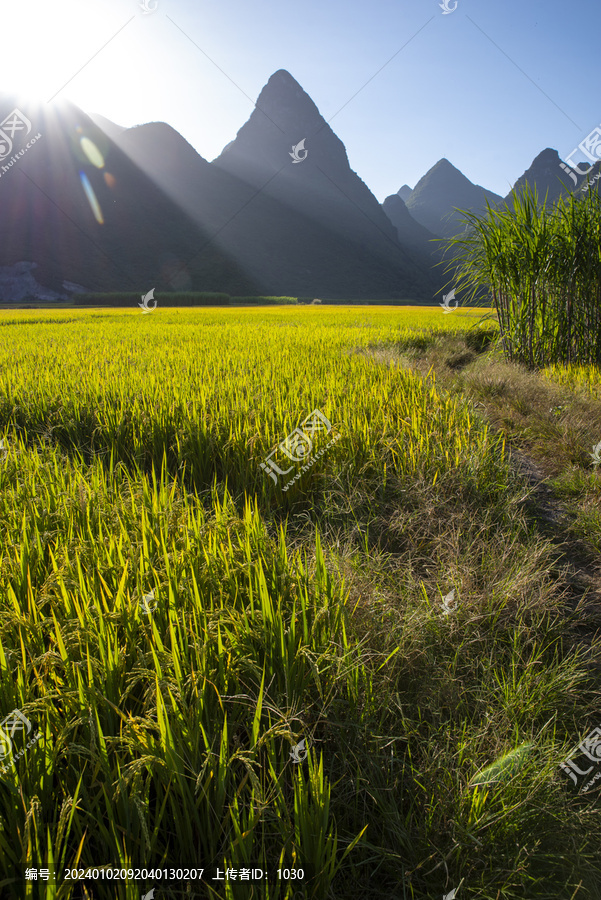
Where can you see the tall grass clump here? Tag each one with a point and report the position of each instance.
(542, 268)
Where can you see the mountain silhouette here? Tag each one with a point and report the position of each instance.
(546, 173)
(588, 182)
(130, 208)
(323, 186)
(284, 251)
(322, 190)
(76, 205)
(440, 192)
(279, 211)
(411, 234)
(109, 128)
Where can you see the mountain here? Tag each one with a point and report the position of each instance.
(442, 190)
(279, 211)
(109, 128)
(413, 235)
(322, 186)
(76, 205)
(546, 173)
(317, 188)
(285, 252)
(588, 182)
(133, 208)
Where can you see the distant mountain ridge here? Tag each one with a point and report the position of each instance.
(590, 182)
(279, 211)
(421, 241)
(546, 173)
(128, 209)
(443, 188)
(323, 185)
(77, 206)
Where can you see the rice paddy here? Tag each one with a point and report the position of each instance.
(582, 379)
(228, 676)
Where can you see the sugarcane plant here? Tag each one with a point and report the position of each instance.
(541, 268)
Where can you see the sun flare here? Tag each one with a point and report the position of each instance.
(67, 49)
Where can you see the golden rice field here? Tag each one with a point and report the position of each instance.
(130, 469)
(581, 378)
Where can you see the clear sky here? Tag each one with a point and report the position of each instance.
(488, 86)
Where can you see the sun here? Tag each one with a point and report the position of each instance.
(65, 48)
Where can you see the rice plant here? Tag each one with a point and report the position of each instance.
(129, 470)
(581, 378)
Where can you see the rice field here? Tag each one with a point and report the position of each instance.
(228, 676)
(585, 379)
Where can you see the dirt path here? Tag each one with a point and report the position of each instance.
(580, 575)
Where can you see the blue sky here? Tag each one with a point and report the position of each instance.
(488, 86)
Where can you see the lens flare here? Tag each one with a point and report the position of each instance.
(92, 200)
(92, 152)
